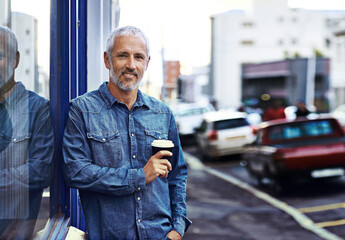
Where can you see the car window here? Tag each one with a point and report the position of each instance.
(301, 130)
(230, 123)
(191, 112)
(203, 127)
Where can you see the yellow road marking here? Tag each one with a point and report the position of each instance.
(325, 208)
(331, 223)
(322, 208)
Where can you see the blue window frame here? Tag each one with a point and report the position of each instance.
(67, 81)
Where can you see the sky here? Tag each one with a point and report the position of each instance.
(196, 25)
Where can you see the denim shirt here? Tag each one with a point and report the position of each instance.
(105, 148)
(26, 152)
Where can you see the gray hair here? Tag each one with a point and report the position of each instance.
(126, 31)
(12, 43)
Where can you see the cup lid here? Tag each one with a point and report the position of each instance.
(162, 143)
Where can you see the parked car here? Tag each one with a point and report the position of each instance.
(294, 150)
(339, 113)
(188, 116)
(223, 133)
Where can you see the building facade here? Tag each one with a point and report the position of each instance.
(25, 28)
(287, 81)
(270, 31)
(5, 13)
(338, 67)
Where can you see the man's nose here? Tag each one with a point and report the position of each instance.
(131, 62)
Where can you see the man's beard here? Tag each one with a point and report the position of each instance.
(4, 77)
(122, 85)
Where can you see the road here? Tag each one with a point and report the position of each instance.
(225, 203)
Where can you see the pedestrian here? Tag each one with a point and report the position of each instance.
(26, 146)
(302, 110)
(126, 193)
(274, 111)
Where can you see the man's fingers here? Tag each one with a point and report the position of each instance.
(163, 153)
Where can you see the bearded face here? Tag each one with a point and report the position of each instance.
(124, 79)
(127, 62)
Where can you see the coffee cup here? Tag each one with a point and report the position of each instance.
(159, 145)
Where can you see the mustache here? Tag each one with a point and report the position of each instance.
(129, 71)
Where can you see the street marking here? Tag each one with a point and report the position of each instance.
(331, 223)
(325, 208)
(322, 208)
(300, 218)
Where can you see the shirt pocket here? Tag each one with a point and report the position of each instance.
(150, 136)
(105, 148)
(20, 149)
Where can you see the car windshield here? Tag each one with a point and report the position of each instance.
(230, 123)
(191, 112)
(301, 130)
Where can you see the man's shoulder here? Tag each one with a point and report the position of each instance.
(36, 102)
(155, 104)
(88, 100)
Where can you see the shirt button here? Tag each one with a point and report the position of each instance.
(139, 220)
(133, 156)
(132, 134)
(103, 139)
(138, 198)
(138, 188)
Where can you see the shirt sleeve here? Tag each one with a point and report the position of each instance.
(177, 183)
(80, 171)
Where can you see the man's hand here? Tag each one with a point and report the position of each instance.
(156, 166)
(173, 235)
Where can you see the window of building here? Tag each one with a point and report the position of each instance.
(294, 41)
(247, 24)
(328, 43)
(247, 42)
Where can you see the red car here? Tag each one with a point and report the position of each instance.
(289, 150)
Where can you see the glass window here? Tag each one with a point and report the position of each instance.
(301, 130)
(231, 123)
(26, 132)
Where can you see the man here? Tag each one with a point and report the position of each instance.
(125, 192)
(26, 146)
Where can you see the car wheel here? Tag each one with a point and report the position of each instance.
(280, 186)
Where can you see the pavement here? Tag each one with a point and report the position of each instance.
(222, 207)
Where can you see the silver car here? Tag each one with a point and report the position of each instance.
(223, 133)
(188, 116)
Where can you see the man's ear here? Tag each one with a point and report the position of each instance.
(106, 60)
(147, 63)
(17, 59)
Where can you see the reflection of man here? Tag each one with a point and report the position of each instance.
(26, 147)
(125, 192)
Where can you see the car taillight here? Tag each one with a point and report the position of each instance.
(278, 156)
(255, 129)
(213, 135)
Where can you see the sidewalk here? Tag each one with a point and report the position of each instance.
(221, 210)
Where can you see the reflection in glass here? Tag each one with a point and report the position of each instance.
(26, 146)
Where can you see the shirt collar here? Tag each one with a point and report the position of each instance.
(18, 91)
(109, 99)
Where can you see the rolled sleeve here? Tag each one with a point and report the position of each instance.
(181, 225)
(137, 179)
